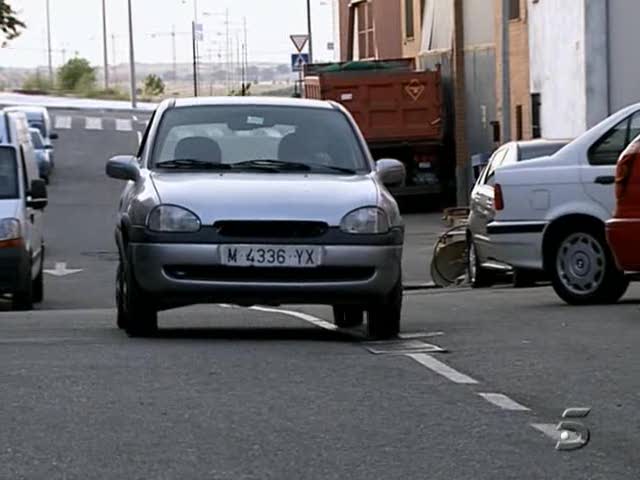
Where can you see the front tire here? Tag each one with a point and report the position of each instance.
(383, 320)
(23, 298)
(583, 271)
(137, 314)
(347, 317)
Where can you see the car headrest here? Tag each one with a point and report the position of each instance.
(199, 148)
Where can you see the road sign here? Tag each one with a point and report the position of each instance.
(199, 32)
(298, 61)
(299, 41)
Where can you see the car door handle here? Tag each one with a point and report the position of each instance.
(605, 180)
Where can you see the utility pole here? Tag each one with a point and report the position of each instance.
(195, 59)
(49, 42)
(113, 58)
(175, 54)
(506, 74)
(132, 61)
(228, 53)
(245, 58)
(105, 44)
(459, 93)
(309, 31)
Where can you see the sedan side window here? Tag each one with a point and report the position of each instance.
(607, 150)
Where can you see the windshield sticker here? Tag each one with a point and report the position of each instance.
(255, 121)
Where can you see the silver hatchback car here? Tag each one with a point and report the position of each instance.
(258, 201)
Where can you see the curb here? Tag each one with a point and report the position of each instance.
(411, 287)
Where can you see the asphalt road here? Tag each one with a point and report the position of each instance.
(233, 393)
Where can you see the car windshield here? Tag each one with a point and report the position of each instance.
(265, 138)
(36, 139)
(8, 174)
(539, 151)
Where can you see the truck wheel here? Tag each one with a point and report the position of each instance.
(383, 320)
(23, 297)
(583, 271)
(347, 317)
(477, 275)
(136, 312)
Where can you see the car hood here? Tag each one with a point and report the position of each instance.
(266, 196)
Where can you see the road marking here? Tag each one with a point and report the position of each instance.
(441, 369)
(139, 137)
(401, 347)
(93, 123)
(549, 429)
(61, 270)
(504, 402)
(62, 123)
(412, 335)
(302, 316)
(124, 125)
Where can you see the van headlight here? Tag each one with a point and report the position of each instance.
(10, 229)
(170, 218)
(367, 220)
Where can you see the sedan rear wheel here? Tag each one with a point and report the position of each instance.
(383, 320)
(347, 317)
(584, 271)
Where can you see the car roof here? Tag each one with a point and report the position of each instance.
(249, 101)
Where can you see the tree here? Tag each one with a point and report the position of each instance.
(77, 74)
(153, 85)
(10, 24)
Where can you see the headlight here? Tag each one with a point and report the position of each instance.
(368, 220)
(169, 218)
(9, 229)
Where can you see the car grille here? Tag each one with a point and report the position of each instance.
(271, 229)
(272, 275)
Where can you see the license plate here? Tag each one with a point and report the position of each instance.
(270, 256)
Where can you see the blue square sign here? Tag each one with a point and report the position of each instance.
(298, 61)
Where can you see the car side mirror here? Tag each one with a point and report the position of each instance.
(391, 173)
(53, 136)
(123, 167)
(37, 197)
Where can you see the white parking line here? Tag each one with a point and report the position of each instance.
(504, 402)
(62, 123)
(124, 125)
(93, 123)
(139, 137)
(302, 316)
(441, 369)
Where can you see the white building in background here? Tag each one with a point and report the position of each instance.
(583, 61)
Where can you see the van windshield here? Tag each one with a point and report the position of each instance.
(8, 174)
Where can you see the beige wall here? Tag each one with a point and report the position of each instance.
(519, 68)
(411, 46)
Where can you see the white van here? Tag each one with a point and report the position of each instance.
(23, 197)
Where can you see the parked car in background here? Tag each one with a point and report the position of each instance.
(42, 154)
(38, 117)
(247, 218)
(551, 213)
(482, 262)
(23, 197)
(623, 230)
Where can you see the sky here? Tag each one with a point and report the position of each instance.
(76, 28)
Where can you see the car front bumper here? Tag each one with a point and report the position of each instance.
(623, 235)
(193, 273)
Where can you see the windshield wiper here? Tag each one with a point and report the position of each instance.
(271, 165)
(283, 166)
(193, 164)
